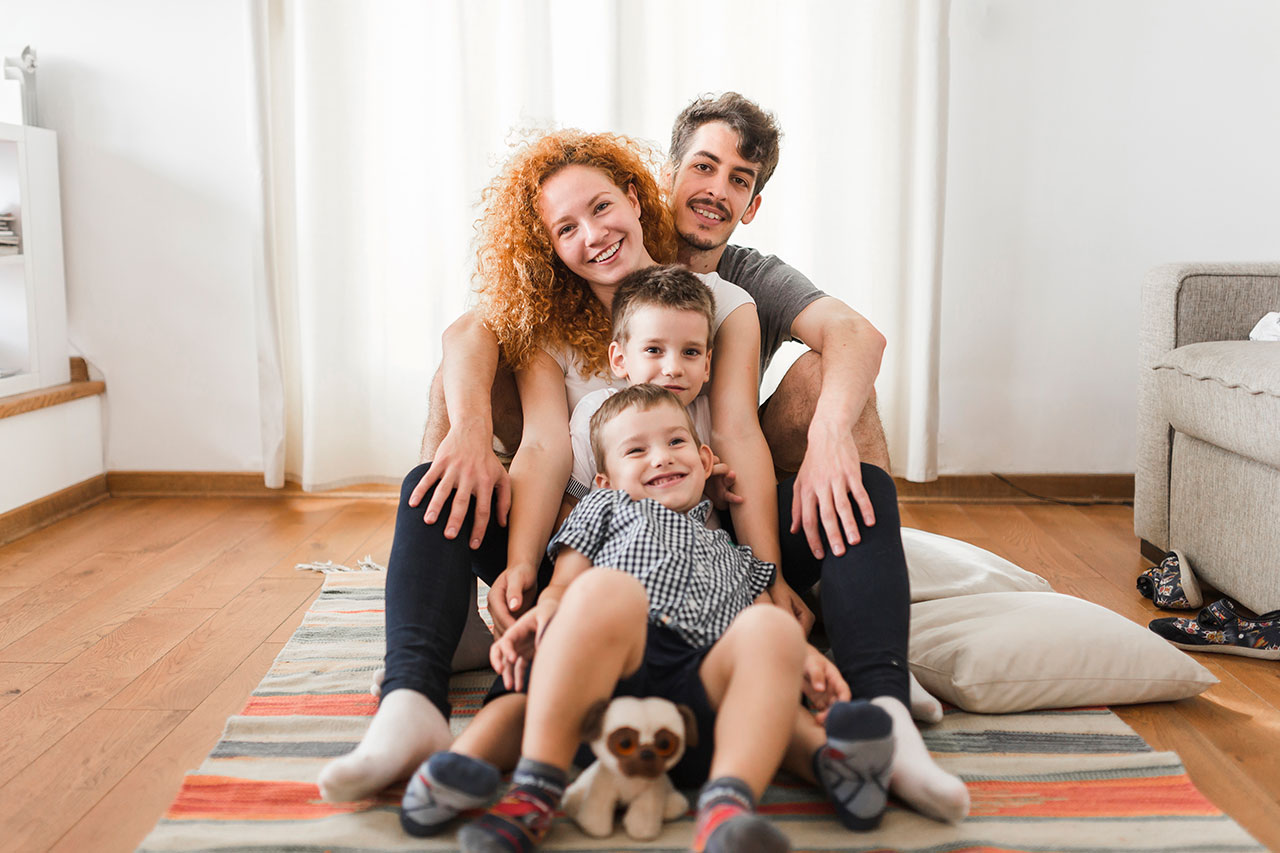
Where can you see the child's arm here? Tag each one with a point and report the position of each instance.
(516, 647)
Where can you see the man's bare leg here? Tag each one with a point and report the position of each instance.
(785, 419)
(507, 418)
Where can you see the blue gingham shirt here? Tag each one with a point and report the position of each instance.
(697, 579)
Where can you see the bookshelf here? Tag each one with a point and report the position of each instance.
(33, 314)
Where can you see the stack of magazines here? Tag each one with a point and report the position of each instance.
(10, 242)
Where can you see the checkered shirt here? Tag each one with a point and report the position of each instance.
(697, 579)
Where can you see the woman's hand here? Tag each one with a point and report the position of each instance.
(466, 467)
(823, 683)
(510, 592)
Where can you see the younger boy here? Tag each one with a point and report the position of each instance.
(675, 619)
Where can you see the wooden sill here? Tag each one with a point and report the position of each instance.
(30, 401)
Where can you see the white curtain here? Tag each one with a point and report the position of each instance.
(381, 122)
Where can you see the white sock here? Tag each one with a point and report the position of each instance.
(924, 707)
(406, 729)
(916, 778)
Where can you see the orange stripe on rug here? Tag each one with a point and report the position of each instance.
(1155, 796)
(312, 705)
(231, 798)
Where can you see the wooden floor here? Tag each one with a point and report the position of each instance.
(130, 632)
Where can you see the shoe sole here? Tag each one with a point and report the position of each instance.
(1243, 651)
(1190, 586)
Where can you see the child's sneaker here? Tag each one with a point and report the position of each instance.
(1218, 628)
(1171, 585)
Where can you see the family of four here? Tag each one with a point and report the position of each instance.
(619, 340)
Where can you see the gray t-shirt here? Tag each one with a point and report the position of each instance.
(781, 292)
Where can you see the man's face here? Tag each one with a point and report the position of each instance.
(650, 453)
(711, 188)
(666, 347)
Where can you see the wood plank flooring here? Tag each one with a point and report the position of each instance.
(131, 631)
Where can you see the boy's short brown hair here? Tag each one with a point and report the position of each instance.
(671, 286)
(758, 133)
(643, 397)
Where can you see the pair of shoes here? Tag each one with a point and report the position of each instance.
(1171, 585)
(1218, 628)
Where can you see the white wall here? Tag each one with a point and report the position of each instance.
(152, 104)
(1089, 141)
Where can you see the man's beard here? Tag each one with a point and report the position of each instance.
(702, 244)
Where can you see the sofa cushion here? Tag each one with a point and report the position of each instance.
(1226, 393)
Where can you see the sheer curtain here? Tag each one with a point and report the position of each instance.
(381, 122)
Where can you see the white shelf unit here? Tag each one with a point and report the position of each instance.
(33, 302)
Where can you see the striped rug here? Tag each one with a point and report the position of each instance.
(1070, 780)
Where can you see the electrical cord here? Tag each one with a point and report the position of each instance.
(1063, 501)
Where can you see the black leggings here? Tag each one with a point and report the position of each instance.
(429, 583)
(865, 593)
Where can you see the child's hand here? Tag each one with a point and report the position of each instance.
(720, 483)
(823, 683)
(789, 600)
(512, 652)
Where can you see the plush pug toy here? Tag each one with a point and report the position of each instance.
(635, 741)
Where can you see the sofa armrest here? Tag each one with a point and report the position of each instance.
(1186, 304)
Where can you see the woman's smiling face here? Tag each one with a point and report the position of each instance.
(593, 224)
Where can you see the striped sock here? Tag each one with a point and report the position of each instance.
(520, 821)
(855, 762)
(446, 784)
(728, 823)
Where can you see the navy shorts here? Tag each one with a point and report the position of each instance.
(670, 670)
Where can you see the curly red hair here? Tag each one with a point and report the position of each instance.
(528, 297)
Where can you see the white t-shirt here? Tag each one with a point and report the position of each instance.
(729, 298)
(583, 479)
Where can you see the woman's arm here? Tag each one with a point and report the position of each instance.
(538, 475)
(735, 431)
(736, 437)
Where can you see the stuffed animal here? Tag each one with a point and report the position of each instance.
(636, 741)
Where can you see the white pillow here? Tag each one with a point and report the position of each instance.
(942, 567)
(1014, 651)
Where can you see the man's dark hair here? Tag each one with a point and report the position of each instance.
(758, 132)
(670, 286)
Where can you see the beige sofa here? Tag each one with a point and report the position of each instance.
(1208, 466)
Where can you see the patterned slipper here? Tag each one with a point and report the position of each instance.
(1171, 585)
(1218, 628)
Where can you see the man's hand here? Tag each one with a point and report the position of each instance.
(789, 600)
(830, 473)
(720, 484)
(466, 467)
(510, 592)
(823, 683)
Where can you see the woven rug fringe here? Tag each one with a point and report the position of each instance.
(364, 564)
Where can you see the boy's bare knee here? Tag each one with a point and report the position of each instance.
(765, 629)
(605, 596)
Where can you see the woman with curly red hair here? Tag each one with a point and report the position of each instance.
(568, 217)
